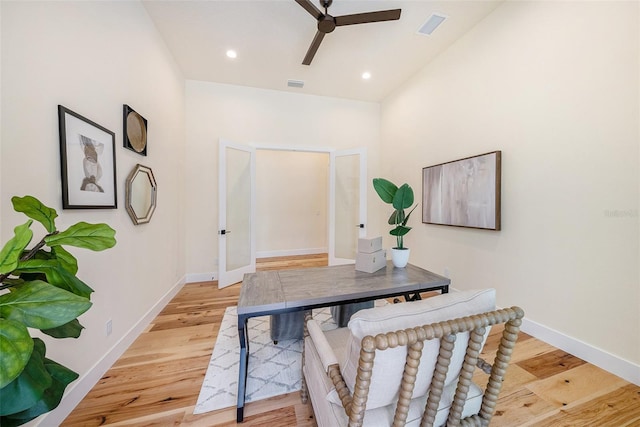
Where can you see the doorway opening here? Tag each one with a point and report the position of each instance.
(292, 196)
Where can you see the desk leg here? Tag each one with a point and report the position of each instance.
(244, 361)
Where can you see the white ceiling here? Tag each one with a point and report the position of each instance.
(271, 38)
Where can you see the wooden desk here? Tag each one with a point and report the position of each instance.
(282, 291)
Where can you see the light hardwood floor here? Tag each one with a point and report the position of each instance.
(157, 380)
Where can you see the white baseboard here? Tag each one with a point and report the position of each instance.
(213, 275)
(202, 277)
(79, 389)
(625, 369)
(291, 252)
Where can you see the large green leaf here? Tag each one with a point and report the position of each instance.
(403, 198)
(96, 237)
(26, 390)
(385, 189)
(12, 251)
(56, 275)
(40, 305)
(16, 346)
(406, 218)
(400, 230)
(68, 330)
(397, 217)
(61, 377)
(67, 261)
(34, 209)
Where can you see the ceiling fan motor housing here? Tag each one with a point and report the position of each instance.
(326, 24)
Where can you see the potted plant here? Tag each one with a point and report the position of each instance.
(39, 290)
(400, 198)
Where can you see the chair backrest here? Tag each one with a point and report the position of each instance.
(435, 345)
(387, 372)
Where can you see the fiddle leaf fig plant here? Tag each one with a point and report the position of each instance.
(400, 198)
(39, 290)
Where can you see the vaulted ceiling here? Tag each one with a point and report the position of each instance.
(271, 38)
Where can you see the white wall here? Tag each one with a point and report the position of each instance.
(264, 117)
(93, 57)
(291, 202)
(554, 85)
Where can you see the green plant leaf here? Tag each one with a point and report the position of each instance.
(40, 305)
(403, 198)
(400, 230)
(34, 209)
(55, 274)
(68, 330)
(397, 217)
(16, 346)
(29, 387)
(96, 237)
(385, 189)
(12, 250)
(61, 377)
(67, 261)
(406, 218)
(13, 282)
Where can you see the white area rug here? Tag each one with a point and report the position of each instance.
(273, 369)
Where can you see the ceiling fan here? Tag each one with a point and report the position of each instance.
(328, 23)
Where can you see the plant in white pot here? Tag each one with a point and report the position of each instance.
(400, 198)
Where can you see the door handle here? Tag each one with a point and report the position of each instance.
(223, 232)
(360, 225)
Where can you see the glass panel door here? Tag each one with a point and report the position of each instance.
(347, 204)
(236, 189)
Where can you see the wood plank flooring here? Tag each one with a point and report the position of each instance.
(157, 380)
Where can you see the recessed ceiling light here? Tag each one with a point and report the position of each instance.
(366, 75)
(232, 54)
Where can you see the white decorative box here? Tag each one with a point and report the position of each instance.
(371, 262)
(369, 246)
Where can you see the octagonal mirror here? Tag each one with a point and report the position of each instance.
(140, 194)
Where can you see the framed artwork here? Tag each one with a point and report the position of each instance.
(135, 131)
(463, 193)
(87, 162)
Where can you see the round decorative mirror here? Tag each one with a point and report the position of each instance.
(140, 194)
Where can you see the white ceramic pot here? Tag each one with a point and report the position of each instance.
(400, 257)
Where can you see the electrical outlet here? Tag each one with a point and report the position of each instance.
(447, 273)
(108, 327)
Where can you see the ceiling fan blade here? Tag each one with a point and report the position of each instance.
(364, 18)
(315, 44)
(309, 7)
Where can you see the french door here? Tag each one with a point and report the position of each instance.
(236, 211)
(347, 204)
(236, 208)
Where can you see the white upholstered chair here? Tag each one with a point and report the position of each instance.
(409, 363)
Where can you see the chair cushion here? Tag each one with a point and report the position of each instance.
(330, 413)
(389, 364)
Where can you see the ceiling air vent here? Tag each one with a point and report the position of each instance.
(431, 24)
(295, 83)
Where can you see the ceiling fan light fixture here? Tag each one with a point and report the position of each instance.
(432, 24)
